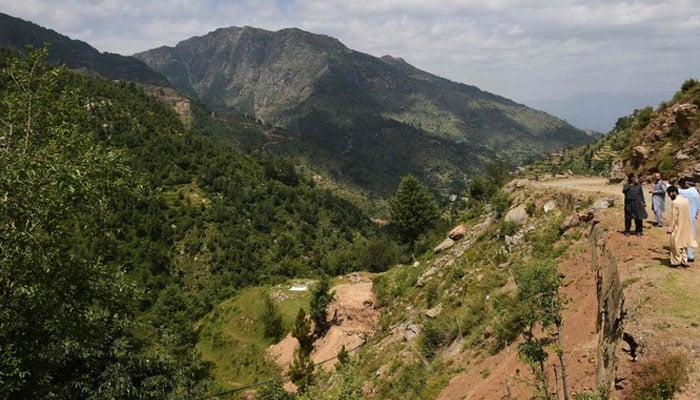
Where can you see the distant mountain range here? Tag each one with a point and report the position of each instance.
(597, 111)
(379, 118)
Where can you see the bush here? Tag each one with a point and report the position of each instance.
(508, 228)
(500, 202)
(658, 377)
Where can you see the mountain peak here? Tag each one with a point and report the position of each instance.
(364, 109)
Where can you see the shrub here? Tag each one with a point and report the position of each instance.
(658, 377)
(508, 228)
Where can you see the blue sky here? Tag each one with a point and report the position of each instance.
(521, 49)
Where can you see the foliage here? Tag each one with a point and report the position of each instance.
(658, 377)
(375, 255)
(135, 226)
(273, 325)
(413, 209)
(301, 331)
(431, 338)
(500, 202)
(540, 305)
(301, 371)
(321, 298)
(688, 87)
(68, 314)
(273, 390)
(481, 188)
(508, 228)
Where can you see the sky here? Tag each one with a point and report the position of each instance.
(521, 49)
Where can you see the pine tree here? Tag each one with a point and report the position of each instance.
(273, 326)
(413, 209)
(301, 371)
(321, 298)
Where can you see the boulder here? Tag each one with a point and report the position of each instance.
(602, 204)
(518, 215)
(458, 232)
(446, 244)
(639, 154)
(575, 220)
(617, 172)
(549, 206)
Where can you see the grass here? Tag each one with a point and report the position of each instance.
(685, 304)
(231, 335)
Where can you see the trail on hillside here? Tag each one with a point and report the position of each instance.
(597, 185)
(662, 302)
(663, 308)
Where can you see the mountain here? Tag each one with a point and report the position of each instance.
(382, 117)
(16, 33)
(597, 111)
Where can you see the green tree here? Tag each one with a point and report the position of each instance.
(67, 317)
(273, 326)
(540, 306)
(413, 209)
(301, 371)
(321, 298)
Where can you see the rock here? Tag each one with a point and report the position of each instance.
(426, 275)
(446, 244)
(549, 206)
(697, 169)
(515, 240)
(680, 156)
(416, 263)
(639, 154)
(458, 232)
(575, 220)
(518, 215)
(411, 331)
(515, 184)
(617, 172)
(433, 312)
(602, 204)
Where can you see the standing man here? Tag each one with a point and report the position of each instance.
(658, 198)
(635, 206)
(681, 239)
(688, 191)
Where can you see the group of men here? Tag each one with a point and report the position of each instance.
(685, 206)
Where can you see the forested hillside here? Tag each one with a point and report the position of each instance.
(121, 227)
(17, 34)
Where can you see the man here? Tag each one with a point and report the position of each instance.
(635, 206)
(658, 198)
(690, 193)
(681, 239)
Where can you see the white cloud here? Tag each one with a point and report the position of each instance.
(518, 48)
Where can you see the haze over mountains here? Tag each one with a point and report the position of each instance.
(597, 111)
(378, 118)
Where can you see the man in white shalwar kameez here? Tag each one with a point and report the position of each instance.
(680, 230)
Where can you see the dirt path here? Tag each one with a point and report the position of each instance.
(663, 304)
(663, 309)
(598, 185)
